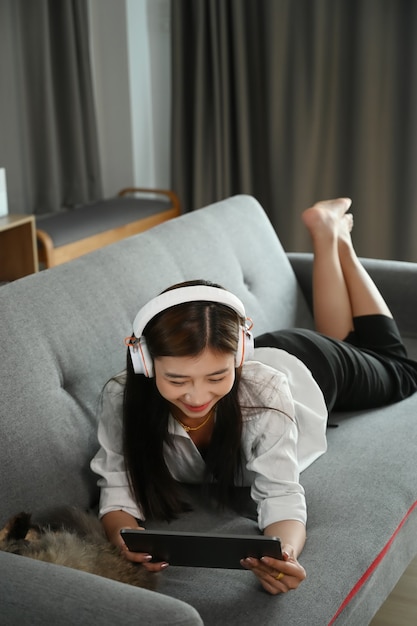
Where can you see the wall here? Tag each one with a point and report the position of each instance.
(130, 52)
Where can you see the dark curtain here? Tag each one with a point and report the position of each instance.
(48, 138)
(294, 101)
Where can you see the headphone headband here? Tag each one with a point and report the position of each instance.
(141, 358)
(181, 295)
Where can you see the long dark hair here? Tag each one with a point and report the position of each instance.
(182, 330)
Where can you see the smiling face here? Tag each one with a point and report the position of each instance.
(195, 384)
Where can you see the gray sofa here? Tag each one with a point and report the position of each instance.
(61, 338)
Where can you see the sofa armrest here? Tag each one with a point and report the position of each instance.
(35, 593)
(397, 281)
(302, 264)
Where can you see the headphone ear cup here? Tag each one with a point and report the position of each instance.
(245, 346)
(141, 359)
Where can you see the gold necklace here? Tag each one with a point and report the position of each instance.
(194, 428)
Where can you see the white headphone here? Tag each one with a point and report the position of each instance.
(141, 358)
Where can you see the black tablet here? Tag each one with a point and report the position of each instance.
(200, 549)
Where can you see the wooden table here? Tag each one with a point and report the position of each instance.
(18, 251)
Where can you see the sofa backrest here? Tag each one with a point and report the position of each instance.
(62, 332)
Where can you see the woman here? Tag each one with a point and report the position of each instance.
(191, 408)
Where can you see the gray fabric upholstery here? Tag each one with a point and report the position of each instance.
(61, 338)
(35, 594)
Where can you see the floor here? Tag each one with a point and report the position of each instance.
(400, 609)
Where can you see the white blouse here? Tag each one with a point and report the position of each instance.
(279, 440)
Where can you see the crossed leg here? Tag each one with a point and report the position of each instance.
(342, 289)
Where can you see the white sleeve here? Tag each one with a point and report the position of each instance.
(310, 407)
(270, 444)
(108, 463)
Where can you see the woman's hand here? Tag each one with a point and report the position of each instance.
(141, 557)
(113, 522)
(277, 576)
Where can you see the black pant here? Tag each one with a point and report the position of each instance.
(368, 369)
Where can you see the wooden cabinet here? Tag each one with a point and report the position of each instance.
(18, 252)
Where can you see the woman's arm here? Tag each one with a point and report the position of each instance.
(113, 522)
(271, 448)
(108, 462)
(292, 534)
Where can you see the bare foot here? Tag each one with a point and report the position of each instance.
(328, 219)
